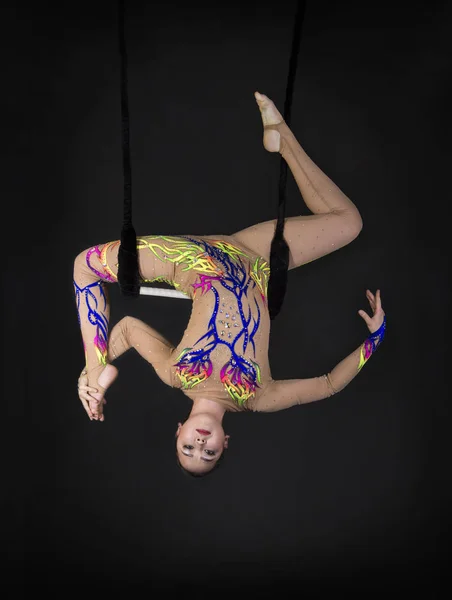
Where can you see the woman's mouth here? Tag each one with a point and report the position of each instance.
(203, 431)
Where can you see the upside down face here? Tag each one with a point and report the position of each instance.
(200, 442)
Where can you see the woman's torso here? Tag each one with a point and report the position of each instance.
(223, 353)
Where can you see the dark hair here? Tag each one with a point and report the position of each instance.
(192, 474)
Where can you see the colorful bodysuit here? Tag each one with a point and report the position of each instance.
(223, 354)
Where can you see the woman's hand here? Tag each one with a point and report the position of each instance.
(92, 398)
(375, 322)
(90, 404)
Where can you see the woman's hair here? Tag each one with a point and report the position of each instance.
(192, 474)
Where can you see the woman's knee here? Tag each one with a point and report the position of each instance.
(351, 223)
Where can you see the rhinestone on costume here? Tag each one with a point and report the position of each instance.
(221, 332)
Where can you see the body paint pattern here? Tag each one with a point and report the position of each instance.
(220, 263)
(108, 274)
(371, 344)
(162, 279)
(93, 295)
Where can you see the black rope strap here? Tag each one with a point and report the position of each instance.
(128, 272)
(279, 253)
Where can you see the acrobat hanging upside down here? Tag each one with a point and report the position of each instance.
(221, 362)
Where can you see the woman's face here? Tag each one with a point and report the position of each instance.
(200, 442)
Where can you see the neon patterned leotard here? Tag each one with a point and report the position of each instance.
(228, 287)
(223, 353)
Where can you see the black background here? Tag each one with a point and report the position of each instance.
(349, 494)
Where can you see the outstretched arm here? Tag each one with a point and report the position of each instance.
(284, 394)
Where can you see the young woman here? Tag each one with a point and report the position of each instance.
(221, 362)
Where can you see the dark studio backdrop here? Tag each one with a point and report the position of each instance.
(348, 494)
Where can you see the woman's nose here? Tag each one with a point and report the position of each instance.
(201, 440)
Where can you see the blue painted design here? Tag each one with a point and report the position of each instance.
(240, 376)
(95, 315)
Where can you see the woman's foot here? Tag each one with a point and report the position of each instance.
(270, 116)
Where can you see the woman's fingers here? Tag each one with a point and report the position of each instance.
(86, 397)
(374, 300)
(90, 409)
(92, 405)
(87, 393)
(378, 300)
(96, 405)
(87, 388)
(86, 407)
(96, 412)
(365, 316)
(371, 299)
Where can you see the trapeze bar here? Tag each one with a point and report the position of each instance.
(150, 291)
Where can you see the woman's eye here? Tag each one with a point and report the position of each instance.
(210, 452)
(187, 447)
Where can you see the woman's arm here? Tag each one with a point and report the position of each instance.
(126, 334)
(93, 309)
(284, 394)
(130, 332)
(93, 268)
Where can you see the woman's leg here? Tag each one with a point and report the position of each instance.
(336, 220)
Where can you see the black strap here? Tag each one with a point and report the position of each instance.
(128, 272)
(279, 253)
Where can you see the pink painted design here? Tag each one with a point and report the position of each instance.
(367, 350)
(204, 283)
(105, 275)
